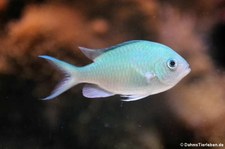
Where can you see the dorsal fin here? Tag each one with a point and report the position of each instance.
(91, 53)
(94, 53)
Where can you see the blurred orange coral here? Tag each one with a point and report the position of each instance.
(53, 22)
(42, 28)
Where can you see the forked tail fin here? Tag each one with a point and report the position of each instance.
(69, 79)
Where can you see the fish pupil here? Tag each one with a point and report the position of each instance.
(172, 63)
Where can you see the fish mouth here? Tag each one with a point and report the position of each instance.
(187, 70)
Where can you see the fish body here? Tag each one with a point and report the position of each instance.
(133, 70)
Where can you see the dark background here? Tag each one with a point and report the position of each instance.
(191, 112)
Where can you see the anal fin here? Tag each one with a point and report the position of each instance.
(132, 97)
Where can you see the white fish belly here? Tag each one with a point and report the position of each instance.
(116, 78)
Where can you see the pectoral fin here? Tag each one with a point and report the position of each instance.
(94, 91)
(149, 76)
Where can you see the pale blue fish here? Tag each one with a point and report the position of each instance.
(133, 70)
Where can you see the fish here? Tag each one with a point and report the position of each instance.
(134, 70)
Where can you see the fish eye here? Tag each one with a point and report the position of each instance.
(172, 64)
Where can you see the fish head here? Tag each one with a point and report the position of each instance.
(171, 68)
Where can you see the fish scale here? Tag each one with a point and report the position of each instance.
(133, 70)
